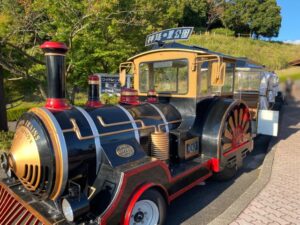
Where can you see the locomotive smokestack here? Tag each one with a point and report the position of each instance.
(93, 98)
(55, 62)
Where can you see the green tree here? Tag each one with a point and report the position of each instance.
(3, 115)
(257, 17)
(238, 15)
(215, 10)
(99, 34)
(267, 20)
(195, 13)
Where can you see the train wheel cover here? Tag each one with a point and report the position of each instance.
(144, 212)
(236, 128)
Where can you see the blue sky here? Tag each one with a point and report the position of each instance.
(290, 25)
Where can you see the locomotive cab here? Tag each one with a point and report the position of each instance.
(122, 164)
(190, 79)
(258, 87)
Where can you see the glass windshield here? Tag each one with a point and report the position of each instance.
(247, 81)
(164, 76)
(228, 85)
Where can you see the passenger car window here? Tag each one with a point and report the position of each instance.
(228, 84)
(204, 76)
(247, 81)
(169, 76)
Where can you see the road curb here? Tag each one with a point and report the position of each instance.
(233, 211)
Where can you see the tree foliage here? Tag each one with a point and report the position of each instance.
(267, 20)
(101, 34)
(194, 13)
(258, 17)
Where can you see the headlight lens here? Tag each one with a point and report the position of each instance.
(67, 210)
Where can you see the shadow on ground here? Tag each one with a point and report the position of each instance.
(210, 200)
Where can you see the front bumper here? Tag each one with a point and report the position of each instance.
(19, 207)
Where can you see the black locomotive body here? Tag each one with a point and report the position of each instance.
(123, 164)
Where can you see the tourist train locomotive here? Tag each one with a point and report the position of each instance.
(123, 164)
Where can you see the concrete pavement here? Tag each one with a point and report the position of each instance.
(279, 202)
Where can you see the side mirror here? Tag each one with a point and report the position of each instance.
(122, 77)
(218, 74)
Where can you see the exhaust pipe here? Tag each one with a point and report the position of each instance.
(55, 53)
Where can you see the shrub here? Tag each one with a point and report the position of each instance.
(109, 99)
(223, 31)
(5, 140)
(15, 113)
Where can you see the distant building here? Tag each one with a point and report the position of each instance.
(295, 63)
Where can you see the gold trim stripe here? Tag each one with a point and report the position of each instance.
(55, 54)
(61, 167)
(94, 82)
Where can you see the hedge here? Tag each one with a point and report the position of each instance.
(15, 113)
(5, 140)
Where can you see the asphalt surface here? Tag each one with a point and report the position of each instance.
(205, 202)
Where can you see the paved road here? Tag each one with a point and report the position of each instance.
(202, 204)
(279, 202)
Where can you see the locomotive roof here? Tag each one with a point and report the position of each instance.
(180, 47)
(248, 63)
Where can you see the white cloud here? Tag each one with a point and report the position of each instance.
(295, 42)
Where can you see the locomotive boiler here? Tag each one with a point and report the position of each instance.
(123, 164)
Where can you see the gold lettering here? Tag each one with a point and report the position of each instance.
(32, 130)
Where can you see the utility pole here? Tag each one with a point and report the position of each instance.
(3, 116)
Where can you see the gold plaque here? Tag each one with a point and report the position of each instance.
(125, 151)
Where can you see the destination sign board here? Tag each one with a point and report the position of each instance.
(180, 33)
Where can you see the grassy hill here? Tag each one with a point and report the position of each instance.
(274, 55)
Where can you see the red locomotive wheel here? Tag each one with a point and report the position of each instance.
(237, 129)
(235, 132)
(150, 209)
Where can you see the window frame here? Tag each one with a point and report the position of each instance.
(166, 93)
(233, 78)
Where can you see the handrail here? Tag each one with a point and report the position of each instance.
(76, 129)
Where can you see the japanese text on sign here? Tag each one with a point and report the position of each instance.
(182, 33)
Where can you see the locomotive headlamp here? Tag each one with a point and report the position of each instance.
(67, 210)
(73, 208)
